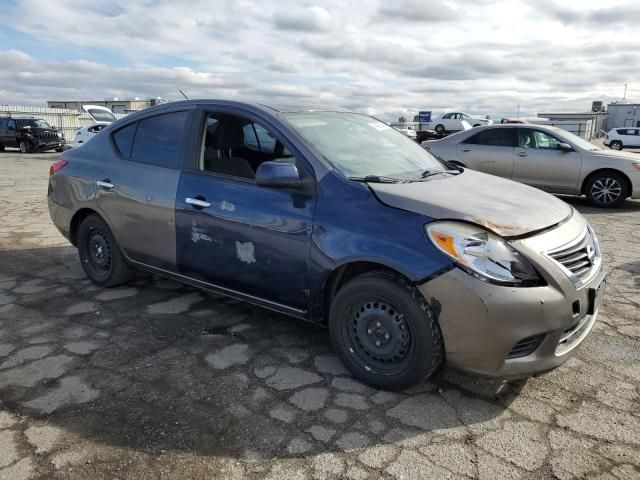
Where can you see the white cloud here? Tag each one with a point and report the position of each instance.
(386, 58)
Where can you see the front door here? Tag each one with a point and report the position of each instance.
(489, 151)
(540, 163)
(233, 233)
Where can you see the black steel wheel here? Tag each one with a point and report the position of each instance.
(384, 331)
(607, 189)
(99, 253)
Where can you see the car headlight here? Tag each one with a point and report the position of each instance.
(482, 254)
(59, 135)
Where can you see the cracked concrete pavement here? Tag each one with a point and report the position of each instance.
(156, 380)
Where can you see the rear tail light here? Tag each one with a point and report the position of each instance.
(57, 166)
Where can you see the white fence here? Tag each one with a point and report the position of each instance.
(68, 121)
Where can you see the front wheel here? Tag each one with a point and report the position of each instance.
(607, 189)
(385, 332)
(615, 145)
(439, 129)
(60, 149)
(99, 253)
(24, 147)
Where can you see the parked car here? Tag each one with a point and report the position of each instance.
(619, 138)
(456, 121)
(545, 157)
(337, 219)
(29, 135)
(102, 117)
(407, 132)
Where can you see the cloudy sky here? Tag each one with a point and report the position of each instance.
(386, 57)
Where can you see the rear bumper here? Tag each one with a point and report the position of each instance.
(60, 215)
(481, 323)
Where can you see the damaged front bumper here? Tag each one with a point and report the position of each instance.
(511, 332)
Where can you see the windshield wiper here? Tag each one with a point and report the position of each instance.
(428, 173)
(375, 179)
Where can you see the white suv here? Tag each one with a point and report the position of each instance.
(618, 138)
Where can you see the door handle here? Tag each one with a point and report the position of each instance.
(106, 184)
(197, 202)
(466, 149)
(523, 154)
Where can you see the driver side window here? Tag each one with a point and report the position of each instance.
(236, 146)
(537, 139)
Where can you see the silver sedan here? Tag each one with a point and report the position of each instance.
(545, 157)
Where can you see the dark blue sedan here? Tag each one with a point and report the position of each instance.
(335, 217)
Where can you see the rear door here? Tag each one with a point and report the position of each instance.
(233, 233)
(11, 133)
(137, 190)
(3, 131)
(539, 162)
(489, 151)
(629, 137)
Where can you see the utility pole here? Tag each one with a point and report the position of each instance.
(624, 98)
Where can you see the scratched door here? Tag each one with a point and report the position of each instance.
(252, 239)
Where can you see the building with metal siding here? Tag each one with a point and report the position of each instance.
(116, 105)
(623, 115)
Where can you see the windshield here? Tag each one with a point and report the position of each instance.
(360, 146)
(101, 115)
(33, 124)
(576, 140)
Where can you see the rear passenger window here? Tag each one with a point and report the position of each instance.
(124, 139)
(497, 137)
(157, 140)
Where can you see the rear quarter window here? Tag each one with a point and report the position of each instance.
(124, 139)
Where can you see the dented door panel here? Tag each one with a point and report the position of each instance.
(250, 239)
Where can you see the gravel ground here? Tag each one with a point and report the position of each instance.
(156, 380)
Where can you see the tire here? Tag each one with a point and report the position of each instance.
(1, 148)
(385, 332)
(24, 146)
(477, 125)
(59, 150)
(607, 189)
(439, 129)
(100, 254)
(615, 145)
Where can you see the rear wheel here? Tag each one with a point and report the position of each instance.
(99, 253)
(615, 145)
(1, 148)
(607, 189)
(439, 129)
(24, 147)
(384, 331)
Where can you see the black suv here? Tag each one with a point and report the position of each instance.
(29, 135)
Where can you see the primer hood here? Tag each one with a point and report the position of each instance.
(505, 207)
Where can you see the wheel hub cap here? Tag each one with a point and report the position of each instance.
(606, 190)
(380, 334)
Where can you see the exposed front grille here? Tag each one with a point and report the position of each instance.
(580, 257)
(526, 346)
(46, 135)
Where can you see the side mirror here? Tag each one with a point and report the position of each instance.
(565, 147)
(277, 174)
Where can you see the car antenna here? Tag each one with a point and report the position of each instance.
(186, 98)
